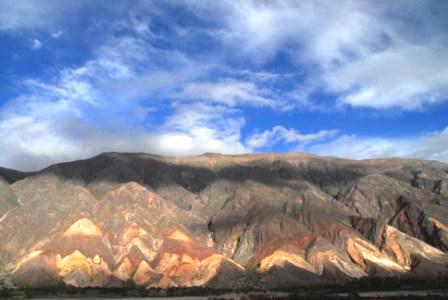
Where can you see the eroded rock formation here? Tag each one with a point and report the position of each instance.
(262, 220)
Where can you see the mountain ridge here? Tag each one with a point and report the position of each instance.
(256, 220)
(14, 175)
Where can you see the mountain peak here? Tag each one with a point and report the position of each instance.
(83, 227)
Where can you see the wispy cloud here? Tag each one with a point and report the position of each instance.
(229, 92)
(360, 50)
(424, 146)
(74, 113)
(290, 136)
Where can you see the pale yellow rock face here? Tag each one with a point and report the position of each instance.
(403, 246)
(76, 270)
(83, 227)
(79, 271)
(179, 236)
(392, 244)
(73, 261)
(361, 251)
(279, 258)
(96, 259)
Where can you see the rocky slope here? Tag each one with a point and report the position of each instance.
(262, 221)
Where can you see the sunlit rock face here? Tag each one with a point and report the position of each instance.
(83, 227)
(370, 257)
(414, 254)
(260, 221)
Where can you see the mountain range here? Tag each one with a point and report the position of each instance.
(223, 221)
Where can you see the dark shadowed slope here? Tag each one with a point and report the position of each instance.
(12, 176)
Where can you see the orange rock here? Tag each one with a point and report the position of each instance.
(280, 257)
(330, 258)
(179, 236)
(363, 252)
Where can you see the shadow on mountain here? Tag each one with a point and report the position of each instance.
(155, 172)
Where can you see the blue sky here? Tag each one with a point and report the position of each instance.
(356, 79)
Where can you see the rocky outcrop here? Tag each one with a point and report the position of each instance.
(410, 252)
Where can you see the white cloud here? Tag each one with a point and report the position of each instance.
(68, 88)
(321, 31)
(351, 48)
(423, 146)
(32, 142)
(278, 134)
(406, 77)
(215, 128)
(52, 121)
(229, 92)
(372, 54)
(36, 44)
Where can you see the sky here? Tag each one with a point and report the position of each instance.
(356, 79)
